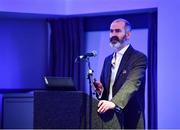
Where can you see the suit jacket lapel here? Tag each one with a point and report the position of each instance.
(124, 61)
(109, 70)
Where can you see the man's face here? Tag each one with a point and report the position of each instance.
(117, 34)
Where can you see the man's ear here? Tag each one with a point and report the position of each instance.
(128, 35)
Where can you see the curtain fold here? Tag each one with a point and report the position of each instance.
(67, 42)
(152, 70)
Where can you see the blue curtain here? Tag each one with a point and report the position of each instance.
(67, 42)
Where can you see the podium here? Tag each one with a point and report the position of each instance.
(70, 110)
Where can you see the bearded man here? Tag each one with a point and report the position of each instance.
(122, 82)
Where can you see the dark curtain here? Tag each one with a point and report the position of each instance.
(152, 71)
(66, 43)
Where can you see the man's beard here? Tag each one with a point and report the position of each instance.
(116, 43)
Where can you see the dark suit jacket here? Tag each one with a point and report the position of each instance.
(128, 88)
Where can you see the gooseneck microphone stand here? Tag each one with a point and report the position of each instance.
(90, 78)
(91, 85)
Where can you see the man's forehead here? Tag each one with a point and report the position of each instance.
(118, 24)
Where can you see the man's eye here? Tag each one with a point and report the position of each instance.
(111, 30)
(115, 30)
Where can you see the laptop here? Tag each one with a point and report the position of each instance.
(59, 83)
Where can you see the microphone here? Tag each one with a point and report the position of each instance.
(91, 54)
(86, 55)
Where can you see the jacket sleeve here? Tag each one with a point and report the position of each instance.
(102, 79)
(133, 82)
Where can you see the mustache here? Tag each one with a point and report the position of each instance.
(114, 39)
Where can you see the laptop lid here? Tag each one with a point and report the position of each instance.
(59, 83)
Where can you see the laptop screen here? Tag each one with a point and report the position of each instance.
(59, 83)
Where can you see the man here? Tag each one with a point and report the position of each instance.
(122, 83)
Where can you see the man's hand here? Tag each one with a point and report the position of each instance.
(104, 105)
(98, 87)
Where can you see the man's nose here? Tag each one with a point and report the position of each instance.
(113, 33)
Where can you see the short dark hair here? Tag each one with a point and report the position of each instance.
(127, 24)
